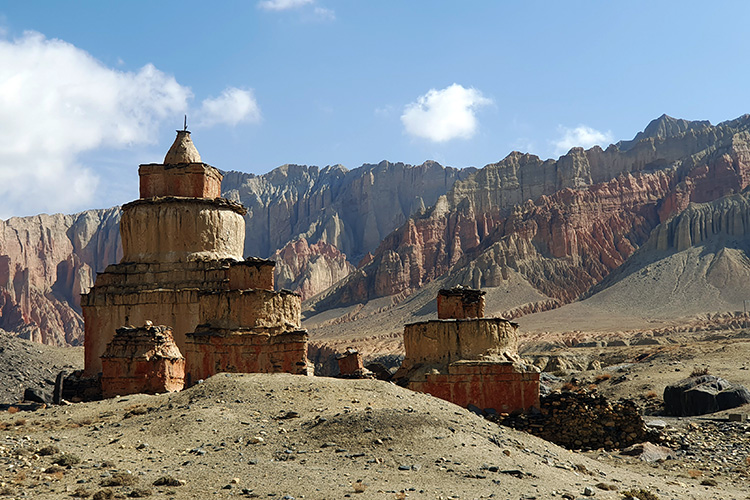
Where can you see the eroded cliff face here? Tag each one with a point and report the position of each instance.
(46, 262)
(352, 210)
(564, 225)
(309, 269)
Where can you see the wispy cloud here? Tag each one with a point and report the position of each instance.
(232, 107)
(580, 136)
(325, 14)
(442, 115)
(319, 12)
(283, 4)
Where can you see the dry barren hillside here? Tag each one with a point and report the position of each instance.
(285, 436)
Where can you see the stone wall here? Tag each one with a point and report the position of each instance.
(214, 350)
(192, 180)
(181, 229)
(583, 422)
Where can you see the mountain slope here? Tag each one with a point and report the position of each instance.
(563, 225)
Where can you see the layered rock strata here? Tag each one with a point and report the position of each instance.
(563, 225)
(142, 360)
(468, 361)
(182, 266)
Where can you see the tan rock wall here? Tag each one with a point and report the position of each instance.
(181, 229)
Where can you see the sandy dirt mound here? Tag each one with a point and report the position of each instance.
(284, 436)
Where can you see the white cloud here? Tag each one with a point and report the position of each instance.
(283, 4)
(581, 136)
(233, 106)
(325, 14)
(56, 103)
(442, 115)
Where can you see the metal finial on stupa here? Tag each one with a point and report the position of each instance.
(183, 150)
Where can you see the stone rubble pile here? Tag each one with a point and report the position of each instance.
(582, 421)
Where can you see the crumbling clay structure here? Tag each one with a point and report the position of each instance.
(142, 360)
(183, 267)
(460, 303)
(468, 361)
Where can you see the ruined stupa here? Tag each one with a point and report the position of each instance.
(183, 267)
(466, 358)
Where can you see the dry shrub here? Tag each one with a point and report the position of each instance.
(694, 473)
(48, 450)
(168, 481)
(651, 395)
(569, 386)
(699, 372)
(606, 487)
(66, 459)
(640, 494)
(20, 421)
(135, 410)
(103, 495)
(140, 493)
(602, 377)
(20, 477)
(81, 492)
(12, 410)
(119, 479)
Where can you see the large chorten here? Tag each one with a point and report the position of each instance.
(183, 267)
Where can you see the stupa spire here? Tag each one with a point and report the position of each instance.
(183, 150)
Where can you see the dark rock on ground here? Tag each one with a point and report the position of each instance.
(703, 394)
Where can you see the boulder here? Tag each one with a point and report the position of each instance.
(703, 394)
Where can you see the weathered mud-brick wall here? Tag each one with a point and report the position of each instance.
(469, 362)
(214, 350)
(142, 360)
(182, 229)
(439, 342)
(460, 303)
(500, 386)
(350, 363)
(193, 180)
(252, 273)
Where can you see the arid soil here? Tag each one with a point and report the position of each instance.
(285, 436)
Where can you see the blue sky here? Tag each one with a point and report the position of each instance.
(88, 90)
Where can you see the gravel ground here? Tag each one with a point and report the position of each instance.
(284, 436)
(28, 364)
